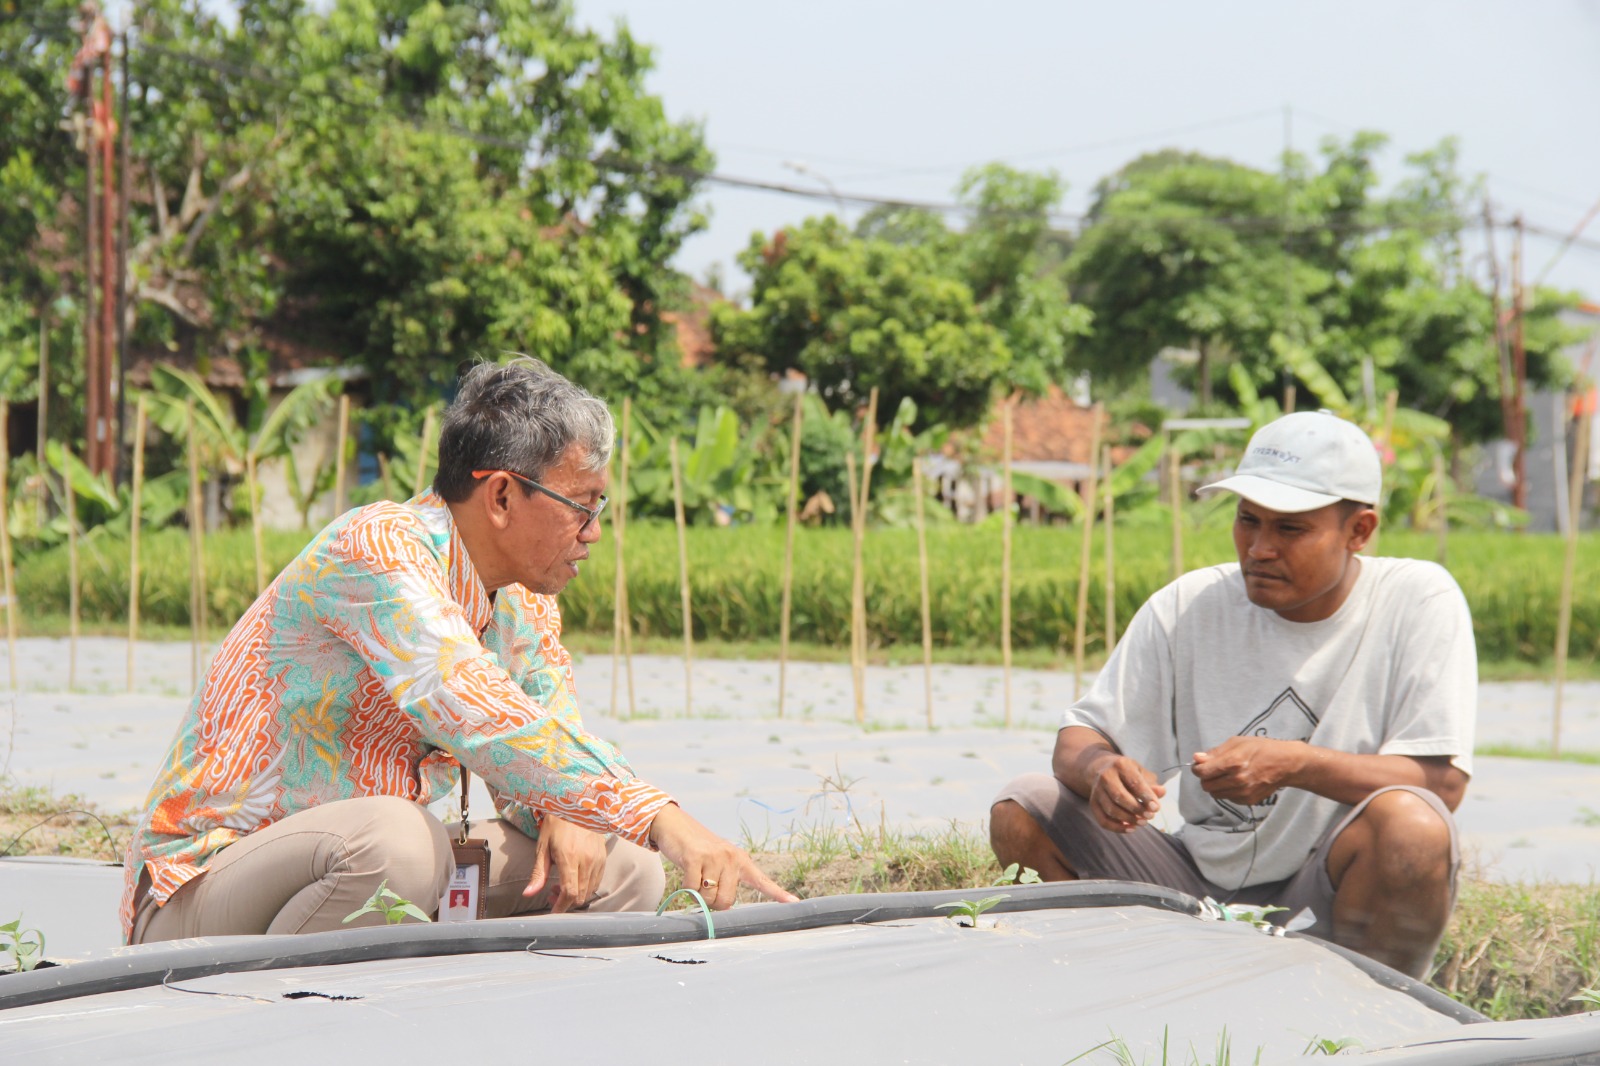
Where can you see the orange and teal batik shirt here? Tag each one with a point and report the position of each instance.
(377, 664)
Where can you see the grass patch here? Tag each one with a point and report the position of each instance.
(1537, 751)
(33, 822)
(1521, 951)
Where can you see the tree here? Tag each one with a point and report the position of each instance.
(854, 313)
(404, 184)
(1013, 262)
(1164, 262)
(1186, 251)
(942, 317)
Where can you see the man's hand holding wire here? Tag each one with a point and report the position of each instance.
(1249, 769)
(1123, 794)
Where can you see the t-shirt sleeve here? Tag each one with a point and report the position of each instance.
(1434, 701)
(1131, 700)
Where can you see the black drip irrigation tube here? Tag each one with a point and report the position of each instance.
(1388, 977)
(152, 965)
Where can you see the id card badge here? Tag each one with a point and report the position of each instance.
(463, 899)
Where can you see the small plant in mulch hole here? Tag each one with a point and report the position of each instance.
(394, 907)
(24, 946)
(971, 909)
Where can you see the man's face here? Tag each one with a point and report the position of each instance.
(1299, 564)
(546, 539)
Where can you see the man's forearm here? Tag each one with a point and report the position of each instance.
(1350, 778)
(1078, 749)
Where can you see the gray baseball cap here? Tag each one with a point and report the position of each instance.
(1304, 461)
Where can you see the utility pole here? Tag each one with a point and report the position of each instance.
(100, 308)
(119, 441)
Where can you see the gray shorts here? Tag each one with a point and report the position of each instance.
(1152, 857)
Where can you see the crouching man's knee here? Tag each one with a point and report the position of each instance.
(1393, 869)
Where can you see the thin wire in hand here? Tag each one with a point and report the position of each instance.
(1255, 841)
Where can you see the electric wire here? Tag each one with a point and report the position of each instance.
(1064, 223)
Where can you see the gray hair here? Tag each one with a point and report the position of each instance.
(519, 416)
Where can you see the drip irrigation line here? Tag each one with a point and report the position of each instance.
(152, 964)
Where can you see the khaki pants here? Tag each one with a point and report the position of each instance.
(307, 872)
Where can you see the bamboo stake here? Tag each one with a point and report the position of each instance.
(1080, 625)
(618, 578)
(1288, 398)
(74, 577)
(1111, 557)
(627, 604)
(44, 413)
(5, 540)
(421, 481)
(196, 548)
(339, 450)
(1391, 402)
(255, 520)
(1441, 514)
(135, 523)
(1175, 486)
(683, 583)
(1007, 412)
(788, 549)
(859, 606)
(922, 568)
(856, 675)
(1575, 478)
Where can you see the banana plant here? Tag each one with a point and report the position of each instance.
(225, 445)
(723, 469)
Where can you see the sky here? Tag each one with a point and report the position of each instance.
(898, 99)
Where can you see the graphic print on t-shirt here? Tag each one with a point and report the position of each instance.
(1287, 718)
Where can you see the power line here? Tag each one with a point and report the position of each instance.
(1069, 222)
(1093, 146)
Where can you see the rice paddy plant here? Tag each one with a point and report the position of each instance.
(1510, 580)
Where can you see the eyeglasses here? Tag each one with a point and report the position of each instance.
(590, 514)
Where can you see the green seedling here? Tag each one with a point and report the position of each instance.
(1017, 874)
(1588, 996)
(1243, 912)
(25, 947)
(394, 907)
(971, 908)
(1327, 1045)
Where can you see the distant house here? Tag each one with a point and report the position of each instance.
(1050, 438)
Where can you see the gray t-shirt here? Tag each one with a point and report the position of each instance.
(1393, 672)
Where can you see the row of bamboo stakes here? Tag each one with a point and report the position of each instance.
(859, 487)
(1096, 504)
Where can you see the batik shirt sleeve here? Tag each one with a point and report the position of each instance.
(386, 597)
(525, 636)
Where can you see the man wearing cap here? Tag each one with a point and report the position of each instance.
(1317, 705)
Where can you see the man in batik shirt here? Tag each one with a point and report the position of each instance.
(405, 643)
